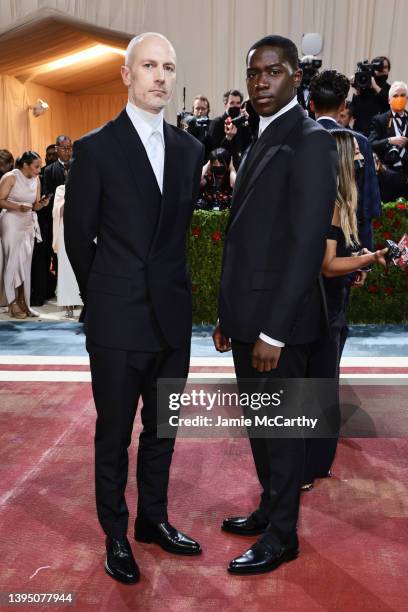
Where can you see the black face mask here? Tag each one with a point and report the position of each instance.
(359, 168)
(218, 170)
(381, 80)
(234, 112)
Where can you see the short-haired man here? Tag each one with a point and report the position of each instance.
(43, 281)
(389, 139)
(199, 124)
(201, 106)
(328, 93)
(226, 135)
(271, 304)
(132, 186)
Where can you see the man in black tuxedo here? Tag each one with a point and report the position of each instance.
(328, 93)
(131, 187)
(43, 282)
(271, 304)
(389, 130)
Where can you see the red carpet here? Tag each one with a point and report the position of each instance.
(353, 527)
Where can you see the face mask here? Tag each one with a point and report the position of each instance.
(398, 103)
(234, 112)
(218, 170)
(358, 167)
(381, 80)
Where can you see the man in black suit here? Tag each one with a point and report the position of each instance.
(271, 304)
(131, 187)
(43, 281)
(389, 130)
(225, 135)
(328, 93)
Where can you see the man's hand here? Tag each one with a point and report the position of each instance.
(374, 85)
(359, 279)
(400, 141)
(265, 357)
(222, 343)
(230, 129)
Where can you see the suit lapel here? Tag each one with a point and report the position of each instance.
(172, 180)
(265, 148)
(140, 169)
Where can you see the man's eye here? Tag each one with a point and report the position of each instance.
(169, 68)
(274, 72)
(250, 75)
(147, 65)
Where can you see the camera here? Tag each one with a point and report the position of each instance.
(241, 120)
(392, 155)
(310, 66)
(365, 71)
(183, 119)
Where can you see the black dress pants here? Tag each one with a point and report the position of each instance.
(278, 461)
(119, 379)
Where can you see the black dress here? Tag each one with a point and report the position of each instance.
(324, 361)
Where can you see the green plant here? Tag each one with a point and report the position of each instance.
(383, 299)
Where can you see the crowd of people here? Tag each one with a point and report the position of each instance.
(299, 174)
(31, 232)
(376, 115)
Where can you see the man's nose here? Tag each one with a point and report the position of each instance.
(159, 74)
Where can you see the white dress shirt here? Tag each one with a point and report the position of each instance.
(263, 124)
(150, 129)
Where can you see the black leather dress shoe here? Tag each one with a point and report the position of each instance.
(120, 563)
(262, 557)
(166, 536)
(244, 525)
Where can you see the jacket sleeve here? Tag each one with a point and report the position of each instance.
(81, 213)
(376, 137)
(311, 198)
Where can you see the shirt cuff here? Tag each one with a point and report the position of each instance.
(271, 341)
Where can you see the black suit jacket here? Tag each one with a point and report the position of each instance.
(134, 281)
(281, 211)
(369, 198)
(54, 176)
(382, 128)
(237, 145)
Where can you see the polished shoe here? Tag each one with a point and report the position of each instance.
(263, 557)
(120, 563)
(166, 536)
(244, 525)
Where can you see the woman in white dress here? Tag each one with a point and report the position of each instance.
(67, 287)
(20, 197)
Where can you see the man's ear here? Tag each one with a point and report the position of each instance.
(125, 73)
(342, 107)
(312, 106)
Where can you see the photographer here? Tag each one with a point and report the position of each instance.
(199, 122)
(217, 181)
(371, 96)
(310, 66)
(389, 139)
(231, 131)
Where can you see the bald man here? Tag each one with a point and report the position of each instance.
(132, 186)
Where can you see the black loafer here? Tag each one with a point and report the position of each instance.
(120, 563)
(166, 536)
(261, 558)
(244, 525)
